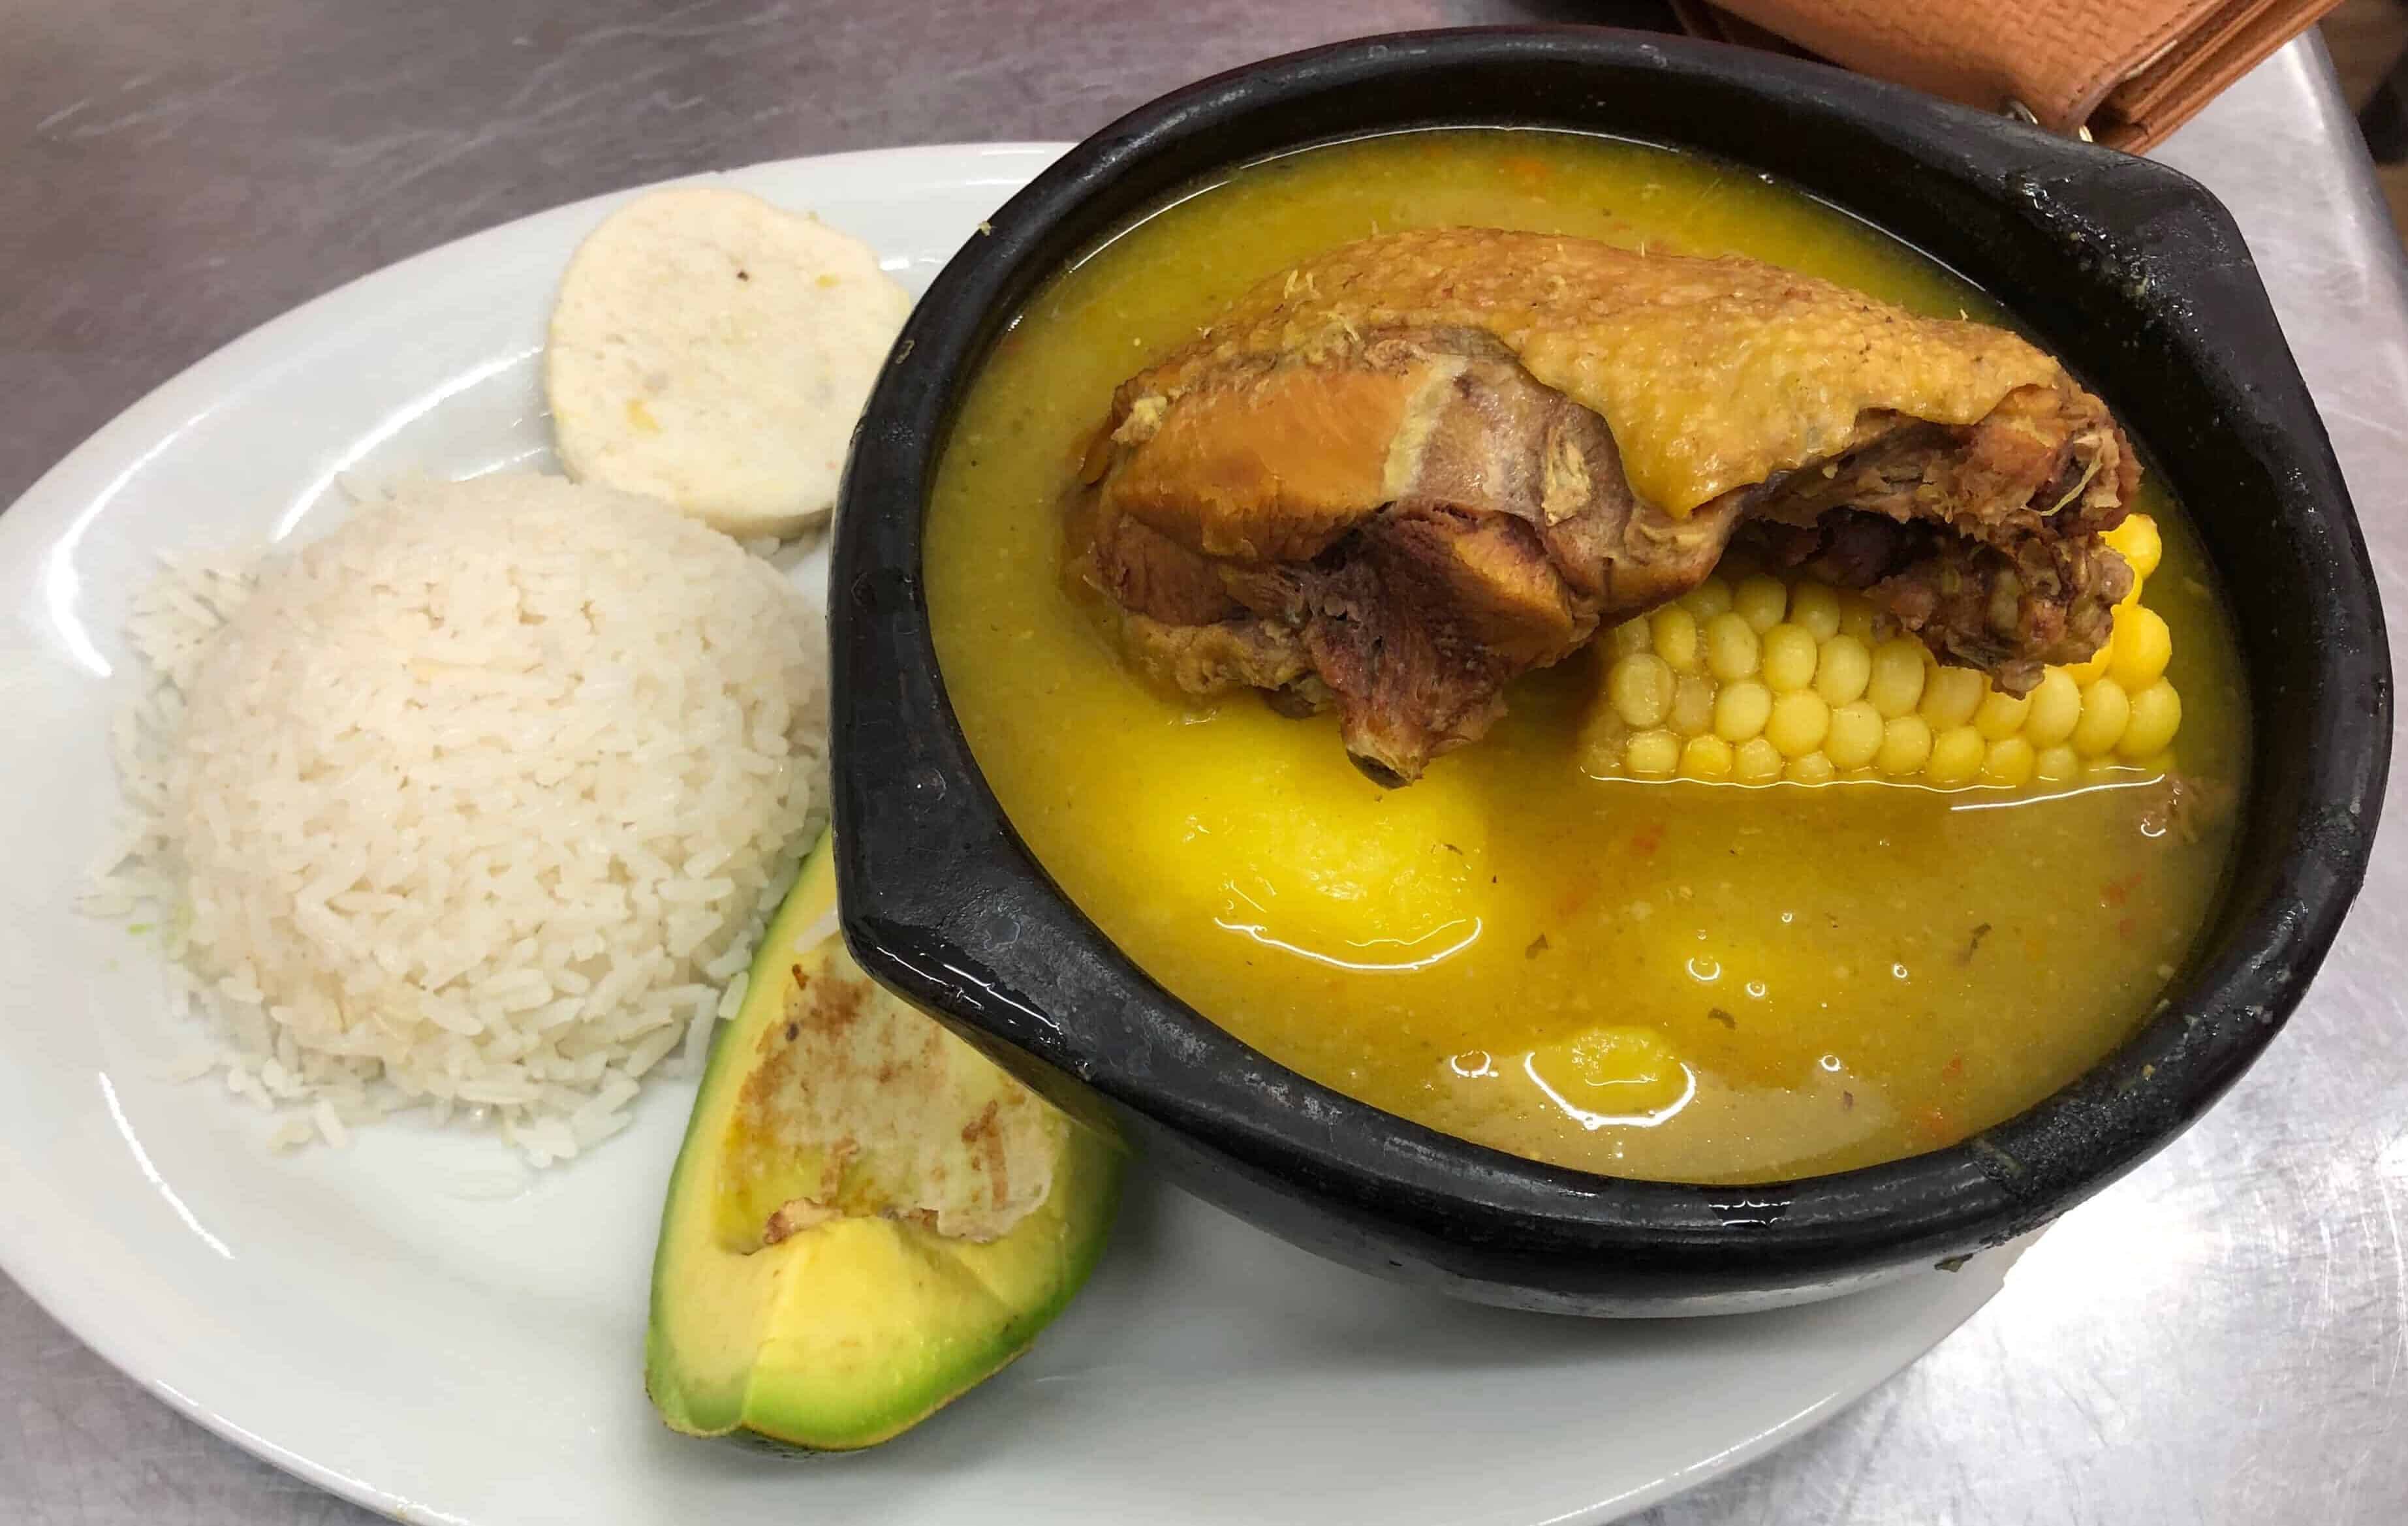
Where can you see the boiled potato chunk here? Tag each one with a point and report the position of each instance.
(1610, 1075)
(1290, 847)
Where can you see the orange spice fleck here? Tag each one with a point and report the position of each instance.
(1576, 895)
(1528, 173)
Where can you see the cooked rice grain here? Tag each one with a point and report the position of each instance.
(479, 801)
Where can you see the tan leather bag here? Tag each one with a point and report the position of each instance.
(2125, 72)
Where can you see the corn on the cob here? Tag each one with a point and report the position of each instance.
(1750, 678)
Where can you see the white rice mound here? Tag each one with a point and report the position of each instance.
(480, 802)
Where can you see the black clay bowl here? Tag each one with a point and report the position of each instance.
(2132, 273)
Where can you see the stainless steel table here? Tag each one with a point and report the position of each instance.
(2221, 1337)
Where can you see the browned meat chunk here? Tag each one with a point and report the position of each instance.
(1358, 492)
(1402, 528)
(1982, 539)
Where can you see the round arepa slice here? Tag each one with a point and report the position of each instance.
(713, 350)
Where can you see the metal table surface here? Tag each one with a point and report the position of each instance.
(2221, 1337)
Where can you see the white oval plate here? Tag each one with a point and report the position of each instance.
(424, 1326)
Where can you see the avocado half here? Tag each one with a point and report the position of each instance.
(868, 1217)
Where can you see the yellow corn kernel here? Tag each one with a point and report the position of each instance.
(2137, 656)
(1999, 715)
(1956, 756)
(1652, 754)
(1761, 600)
(2156, 715)
(1855, 738)
(1859, 619)
(1756, 760)
(1708, 599)
(1602, 737)
(1950, 696)
(1813, 768)
(1707, 758)
(2056, 764)
(2009, 762)
(1906, 745)
(1798, 723)
(1842, 669)
(1895, 683)
(1629, 638)
(2055, 706)
(1693, 705)
(1731, 647)
(1741, 710)
(1675, 632)
(2136, 540)
(1640, 689)
(1790, 653)
(1814, 609)
(2105, 712)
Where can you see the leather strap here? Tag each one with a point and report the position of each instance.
(2127, 71)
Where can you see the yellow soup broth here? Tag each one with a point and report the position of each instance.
(1664, 979)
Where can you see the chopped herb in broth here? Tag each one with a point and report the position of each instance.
(1666, 979)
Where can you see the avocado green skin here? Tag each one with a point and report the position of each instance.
(725, 1329)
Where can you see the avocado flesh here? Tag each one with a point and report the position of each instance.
(850, 1317)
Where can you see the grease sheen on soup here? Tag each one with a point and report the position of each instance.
(1672, 981)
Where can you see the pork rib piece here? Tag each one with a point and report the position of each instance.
(1399, 475)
